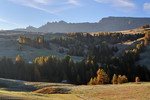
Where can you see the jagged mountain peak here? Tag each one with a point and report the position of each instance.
(110, 23)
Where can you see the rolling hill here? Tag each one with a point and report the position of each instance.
(24, 90)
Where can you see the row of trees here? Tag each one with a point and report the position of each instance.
(18, 70)
(102, 78)
(78, 43)
(50, 68)
(102, 52)
(53, 69)
(37, 42)
(119, 79)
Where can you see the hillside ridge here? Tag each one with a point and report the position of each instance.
(105, 24)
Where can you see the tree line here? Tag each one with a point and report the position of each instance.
(37, 42)
(79, 44)
(126, 64)
(50, 69)
(99, 55)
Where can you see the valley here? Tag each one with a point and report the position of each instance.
(74, 50)
(74, 58)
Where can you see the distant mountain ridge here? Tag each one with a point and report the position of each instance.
(104, 25)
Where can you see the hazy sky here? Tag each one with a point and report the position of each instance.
(21, 13)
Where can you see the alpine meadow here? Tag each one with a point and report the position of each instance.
(73, 56)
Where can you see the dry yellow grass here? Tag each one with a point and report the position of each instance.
(57, 91)
(133, 31)
(52, 90)
(116, 92)
(128, 91)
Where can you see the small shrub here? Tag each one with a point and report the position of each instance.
(102, 78)
(122, 79)
(146, 26)
(114, 79)
(93, 81)
(137, 79)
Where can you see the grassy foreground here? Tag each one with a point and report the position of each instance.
(129, 91)
(25, 91)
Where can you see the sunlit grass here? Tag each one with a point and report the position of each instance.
(137, 91)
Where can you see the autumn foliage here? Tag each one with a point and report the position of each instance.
(114, 79)
(119, 80)
(137, 79)
(102, 78)
(122, 79)
(145, 26)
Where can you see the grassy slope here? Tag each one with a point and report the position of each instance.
(81, 92)
(124, 91)
(9, 46)
(34, 96)
(16, 89)
(128, 45)
(145, 57)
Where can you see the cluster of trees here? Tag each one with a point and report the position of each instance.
(75, 47)
(37, 42)
(76, 51)
(113, 38)
(102, 52)
(102, 78)
(99, 54)
(125, 65)
(63, 41)
(147, 37)
(119, 79)
(18, 70)
(56, 70)
(79, 43)
(100, 37)
(146, 26)
(50, 68)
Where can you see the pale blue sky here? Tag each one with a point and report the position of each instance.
(21, 13)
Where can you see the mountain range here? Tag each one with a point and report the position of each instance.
(108, 24)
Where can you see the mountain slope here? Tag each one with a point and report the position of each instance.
(105, 24)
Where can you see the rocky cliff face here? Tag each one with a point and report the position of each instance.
(104, 25)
